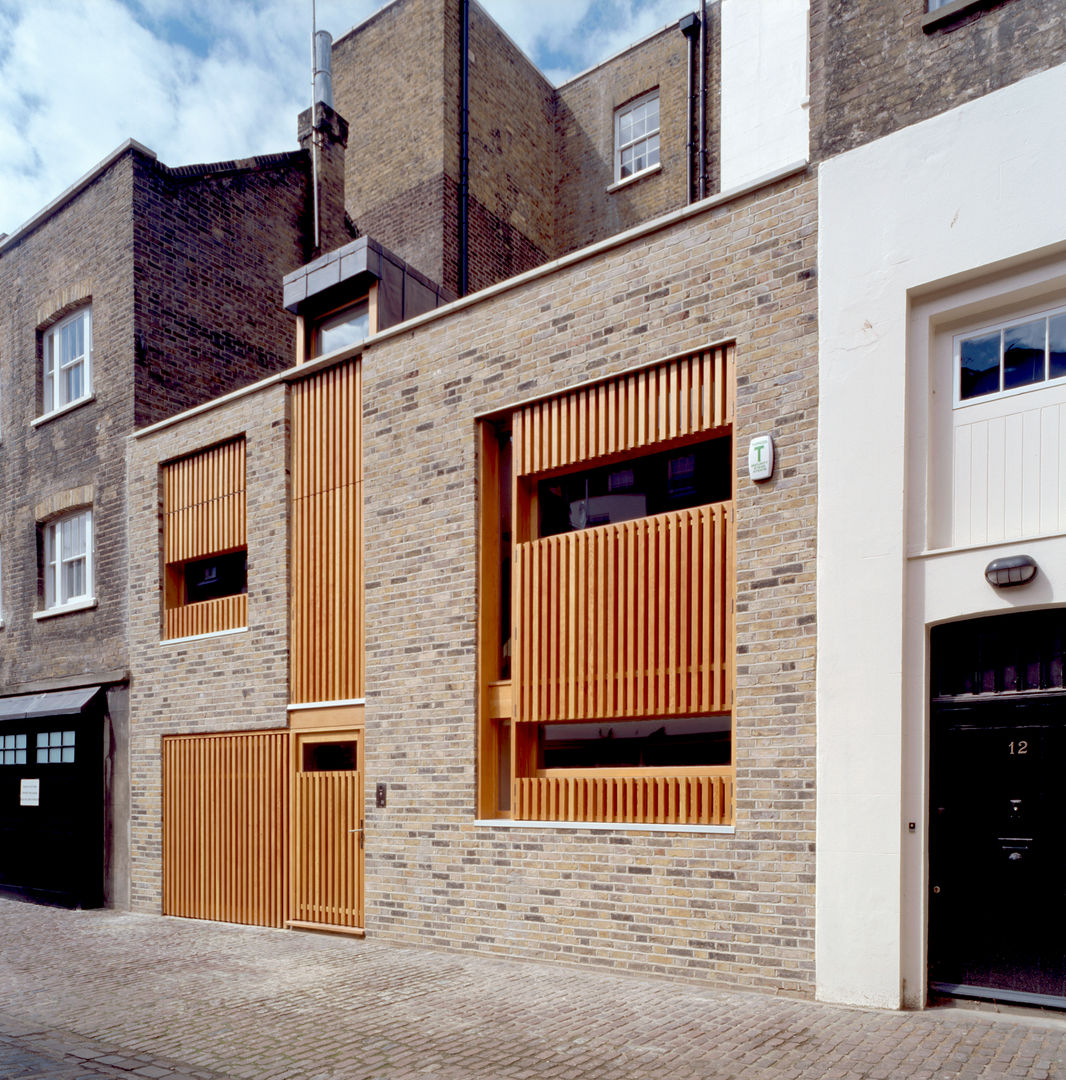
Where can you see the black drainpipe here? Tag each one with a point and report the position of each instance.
(701, 172)
(464, 149)
(690, 26)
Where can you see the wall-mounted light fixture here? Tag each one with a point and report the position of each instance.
(1013, 570)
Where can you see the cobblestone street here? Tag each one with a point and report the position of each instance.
(87, 994)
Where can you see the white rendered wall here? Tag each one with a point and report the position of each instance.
(903, 222)
(764, 88)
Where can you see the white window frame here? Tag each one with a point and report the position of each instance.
(620, 145)
(53, 369)
(1000, 326)
(56, 598)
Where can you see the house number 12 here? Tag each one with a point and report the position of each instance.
(1022, 747)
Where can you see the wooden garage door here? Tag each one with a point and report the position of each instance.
(225, 827)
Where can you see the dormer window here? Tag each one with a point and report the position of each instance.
(347, 326)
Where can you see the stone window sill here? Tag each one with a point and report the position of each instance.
(203, 637)
(66, 609)
(650, 171)
(45, 417)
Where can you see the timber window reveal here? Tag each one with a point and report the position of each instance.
(636, 136)
(1014, 356)
(606, 600)
(67, 359)
(68, 561)
(204, 542)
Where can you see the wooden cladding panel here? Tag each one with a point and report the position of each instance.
(626, 620)
(325, 850)
(204, 503)
(638, 799)
(674, 400)
(206, 616)
(327, 449)
(327, 537)
(225, 827)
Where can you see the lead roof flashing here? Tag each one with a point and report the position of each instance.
(341, 270)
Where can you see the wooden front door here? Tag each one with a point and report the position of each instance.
(326, 864)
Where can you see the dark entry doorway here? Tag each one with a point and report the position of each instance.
(998, 809)
(52, 797)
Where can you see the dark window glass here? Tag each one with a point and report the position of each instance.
(1057, 347)
(657, 744)
(220, 575)
(330, 757)
(672, 480)
(1023, 354)
(979, 363)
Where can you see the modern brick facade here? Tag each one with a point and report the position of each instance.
(183, 686)
(735, 908)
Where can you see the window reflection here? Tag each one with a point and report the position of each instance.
(346, 327)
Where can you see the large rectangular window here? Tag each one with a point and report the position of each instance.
(204, 542)
(67, 355)
(607, 600)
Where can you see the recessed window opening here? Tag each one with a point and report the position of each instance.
(676, 479)
(1013, 356)
(637, 744)
(68, 559)
(67, 349)
(637, 136)
(348, 326)
(220, 575)
(330, 757)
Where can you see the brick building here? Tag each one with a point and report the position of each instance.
(527, 659)
(141, 291)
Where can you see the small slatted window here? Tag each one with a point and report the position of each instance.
(204, 541)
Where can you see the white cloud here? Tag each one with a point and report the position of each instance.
(199, 80)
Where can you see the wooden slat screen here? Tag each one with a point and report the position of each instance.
(225, 827)
(327, 537)
(204, 503)
(670, 401)
(706, 799)
(625, 620)
(325, 850)
(206, 616)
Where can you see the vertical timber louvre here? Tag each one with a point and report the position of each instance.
(687, 396)
(325, 850)
(327, 537)
(225, 827)
(625, 621)
(204, 514)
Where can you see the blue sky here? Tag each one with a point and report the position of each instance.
(207, 80)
